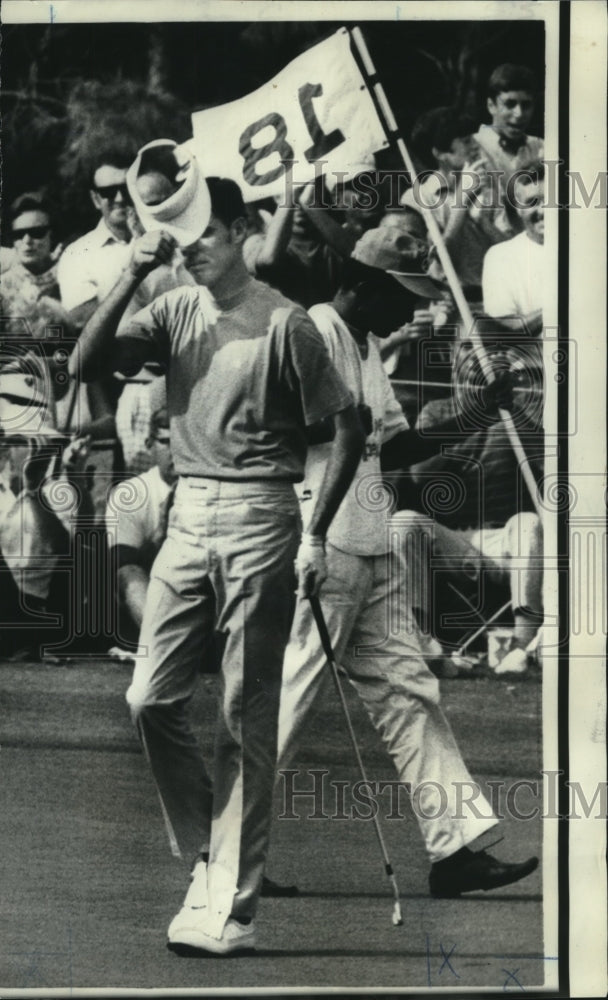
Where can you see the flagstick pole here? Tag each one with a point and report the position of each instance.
(392, 131)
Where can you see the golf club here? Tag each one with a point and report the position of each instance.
(327, 649)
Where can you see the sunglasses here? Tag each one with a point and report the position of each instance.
(109, 191)
(36, 233)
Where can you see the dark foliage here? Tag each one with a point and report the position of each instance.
(68, 89)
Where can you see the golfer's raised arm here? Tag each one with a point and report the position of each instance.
(99, 352)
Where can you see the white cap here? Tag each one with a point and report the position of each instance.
(185, 214)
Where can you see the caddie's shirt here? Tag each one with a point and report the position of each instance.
(360, 525)
(245, 376)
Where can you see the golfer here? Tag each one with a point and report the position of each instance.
(247, 372)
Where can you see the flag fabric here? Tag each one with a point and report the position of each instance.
(318, 110)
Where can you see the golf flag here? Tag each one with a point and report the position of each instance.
(317, 109)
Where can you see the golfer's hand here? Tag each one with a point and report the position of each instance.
(151, 250)
(311, 567)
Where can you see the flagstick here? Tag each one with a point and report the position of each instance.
(392, 131)
(452, 386)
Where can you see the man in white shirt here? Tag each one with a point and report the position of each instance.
(513, 279)
(90, 266)
(363, 597)
(87, 270)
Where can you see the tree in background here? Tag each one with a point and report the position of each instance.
(56, 120)
(68, 88)
(124, 114)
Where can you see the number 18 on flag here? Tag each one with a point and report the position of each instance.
(317, 109)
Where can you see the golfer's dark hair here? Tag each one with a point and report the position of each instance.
(438, 128)
(226, 200)
(510, 76)
(31, 201)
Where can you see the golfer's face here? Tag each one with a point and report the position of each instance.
(213, 254)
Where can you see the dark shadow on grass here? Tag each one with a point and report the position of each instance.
(89, 745)
(479, 897)
(395, 952)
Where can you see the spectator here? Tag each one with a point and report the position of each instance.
(31, 307)
(269, 257)
(504, 143)
(91, 265)
(456, 192)
(488, 532)
(30, 289)
(87, 271)
(313, 230)
(509, 554)
(8, 257)
(35, 535)
(406, 351)
(514, 271)
(136, 522)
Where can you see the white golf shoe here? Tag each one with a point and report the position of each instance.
(191, 933)
(195, 901)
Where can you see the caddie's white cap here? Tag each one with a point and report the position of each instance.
(184, 214)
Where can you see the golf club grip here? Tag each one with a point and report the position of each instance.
(322, 627)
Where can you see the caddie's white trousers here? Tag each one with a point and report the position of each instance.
(227, 563)
(375, 641)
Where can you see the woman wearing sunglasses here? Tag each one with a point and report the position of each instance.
(29, 288)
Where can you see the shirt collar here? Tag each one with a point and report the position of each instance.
(511, 146)
(103, 237)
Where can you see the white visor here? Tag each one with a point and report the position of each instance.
(185, 214)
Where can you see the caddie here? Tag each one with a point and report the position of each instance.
(364, 600)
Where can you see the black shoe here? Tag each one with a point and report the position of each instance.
(270, 888)
(467, 871)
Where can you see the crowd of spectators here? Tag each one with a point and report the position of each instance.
(484, 185)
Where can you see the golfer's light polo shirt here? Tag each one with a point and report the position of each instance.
(244, 379)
